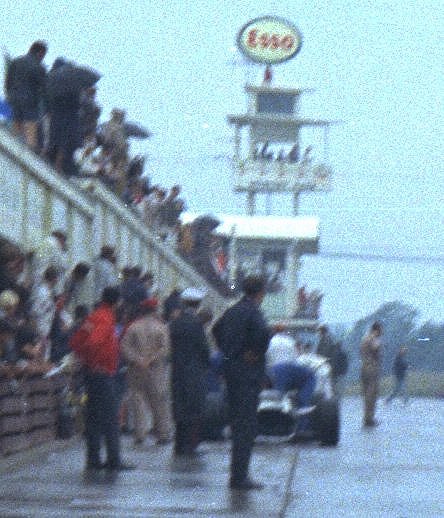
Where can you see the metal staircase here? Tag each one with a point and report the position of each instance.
(34, 201)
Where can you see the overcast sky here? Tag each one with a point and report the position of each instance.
(376, 66)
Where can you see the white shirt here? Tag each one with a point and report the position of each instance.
(43, 308)
(50, 253)
(281, 349)
(105, 275)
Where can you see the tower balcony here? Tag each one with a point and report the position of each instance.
(260, 175)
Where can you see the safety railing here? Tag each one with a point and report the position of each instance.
(280, 175)
(34, 201)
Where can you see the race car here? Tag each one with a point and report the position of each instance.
(280, 414)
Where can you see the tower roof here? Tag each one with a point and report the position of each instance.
(248, 119)
(260, 89)
(264, 227)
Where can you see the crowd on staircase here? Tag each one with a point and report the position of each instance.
(57, 114)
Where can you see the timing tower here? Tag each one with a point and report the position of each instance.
(269, 155)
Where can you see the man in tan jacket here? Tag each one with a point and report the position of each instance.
(370, 372)
(145, 347)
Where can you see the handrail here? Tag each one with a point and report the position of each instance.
(34, 200)
(40, 170)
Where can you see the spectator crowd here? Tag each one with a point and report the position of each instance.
(56, 113)
(42, 302)
(44, 306)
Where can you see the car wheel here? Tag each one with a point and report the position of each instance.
(326, 422)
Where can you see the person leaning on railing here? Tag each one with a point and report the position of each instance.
(20, 352)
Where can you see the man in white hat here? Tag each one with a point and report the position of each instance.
(190, 361)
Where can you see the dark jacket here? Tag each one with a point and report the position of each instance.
(400, 366)
(25, 81)
(242, 329)
(132, 291)
(171, 304)
(190, 361)
(327, 348)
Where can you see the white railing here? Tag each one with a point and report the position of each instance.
(281, 176)
(34, 201)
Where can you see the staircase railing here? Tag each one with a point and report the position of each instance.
(34, 201)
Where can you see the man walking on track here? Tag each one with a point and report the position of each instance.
(243, 337)
(370, 372)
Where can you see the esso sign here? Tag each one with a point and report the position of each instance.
(269, 40)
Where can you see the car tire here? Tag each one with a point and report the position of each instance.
(326, 422)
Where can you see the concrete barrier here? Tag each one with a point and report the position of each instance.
(28, 412)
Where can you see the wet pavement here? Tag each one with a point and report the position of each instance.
(395, 470)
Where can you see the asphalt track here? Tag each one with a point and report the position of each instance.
(395, 470)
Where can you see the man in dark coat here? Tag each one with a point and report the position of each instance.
(243, 336)
(190, 361)
(172, 305)
(400, 366)
(64, 127)
(25, 85)
(132, 291)
(371, 356)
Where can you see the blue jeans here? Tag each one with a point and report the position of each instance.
(288, 376)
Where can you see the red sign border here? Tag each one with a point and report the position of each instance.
(274, 18)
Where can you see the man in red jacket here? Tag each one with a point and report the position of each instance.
(96, 344)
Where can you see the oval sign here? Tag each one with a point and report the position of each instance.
(269, 40)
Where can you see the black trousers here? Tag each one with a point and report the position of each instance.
(101, 419)
(187, 436)
(243, 387)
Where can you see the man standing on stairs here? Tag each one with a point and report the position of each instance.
(25, 87)
(104, 270)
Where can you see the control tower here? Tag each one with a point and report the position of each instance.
(269, 156)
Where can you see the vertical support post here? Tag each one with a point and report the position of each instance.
(25, 209)
(269, 204)
(294, 265)
(90, 239)
(232, 257)
(103, 225)
(237, 142)
(47, 211)
(251, 203)
(88, 236)
(118, 228)
(70, 230)
(141, 256)
(296, 202)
